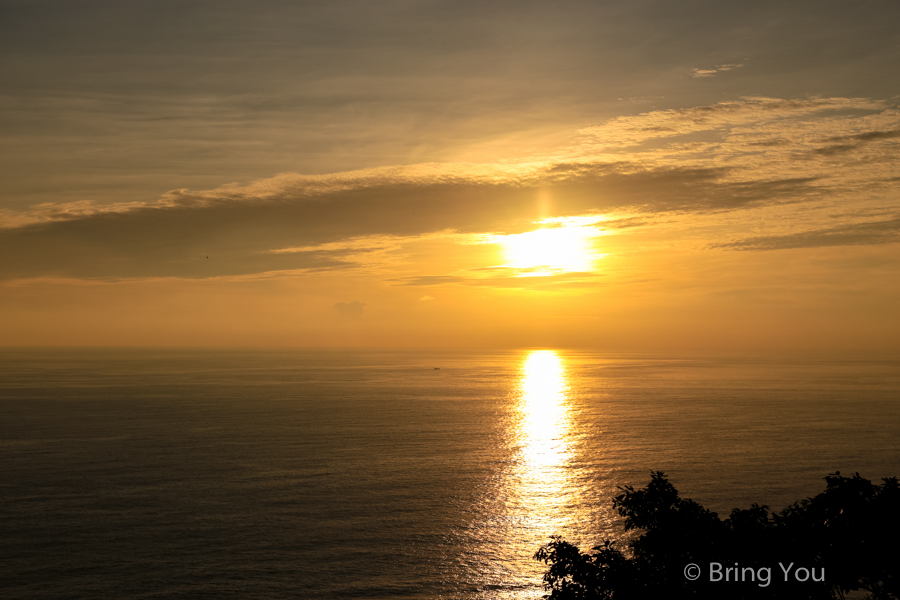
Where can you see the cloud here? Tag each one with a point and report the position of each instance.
(854, 234)
(773, 153)
(423, 280)
(281, 225)
(860, 139)
(350, 310)
(714, 71)
(870, 136)
(835, 149)
(632, 130)
(499, 277)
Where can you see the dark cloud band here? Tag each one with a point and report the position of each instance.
(240, 232)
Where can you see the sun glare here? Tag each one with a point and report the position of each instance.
(550, 250)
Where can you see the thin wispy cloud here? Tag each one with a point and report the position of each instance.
(714, 71)
(853, 234)
(722, 116)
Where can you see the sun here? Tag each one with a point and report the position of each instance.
(550, 250)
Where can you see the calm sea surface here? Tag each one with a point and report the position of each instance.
(298, 474)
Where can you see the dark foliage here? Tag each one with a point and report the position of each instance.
(849, 536)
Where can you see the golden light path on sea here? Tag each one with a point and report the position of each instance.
(544, 413)
(541, 499)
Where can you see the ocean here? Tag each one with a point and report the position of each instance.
(157, 473)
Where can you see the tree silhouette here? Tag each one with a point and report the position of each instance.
(845, 539)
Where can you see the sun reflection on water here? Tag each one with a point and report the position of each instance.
(540, 499)
(543, 407)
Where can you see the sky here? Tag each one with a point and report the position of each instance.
(642, 176)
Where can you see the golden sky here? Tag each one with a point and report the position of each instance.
(620, 176)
